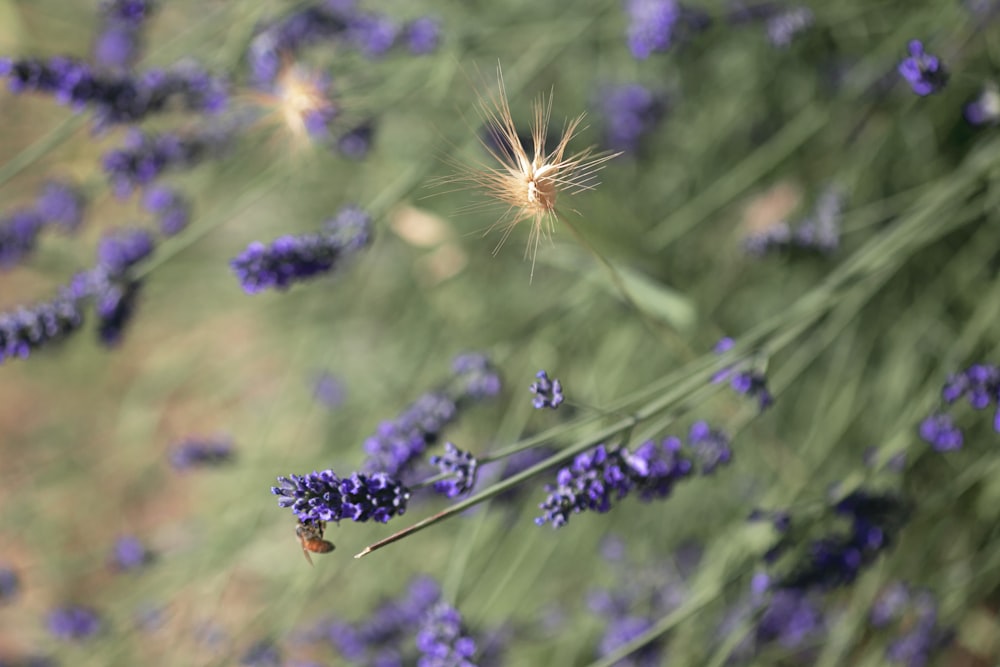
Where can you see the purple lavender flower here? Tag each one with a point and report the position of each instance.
(921, 636)
(115, 305)
(460, 465)
(651, 25)
(979, 384)
(890, 604)
(922, 71)
(746, 381)
(790, 617)
(548, 393)
(323, 496)
(145, 156)
(122, 249)
(74, 623)
(398, 444)
(172, 210)
(784, 26)
(329, 390)
(631, 112)
(10, 584)
(26, 329)
(118, 44)
(837, 559)
(356, 142)
(264, 653)
(443, 641)
(380, 638)
(475, 376)
(598, 476)
(286, 37)
(117, 98)
(773, 237)
(61, 204)
(940, 431)
(985, 109)
(198, 453)
(18, 235)
(291, 259)
(423, 35)
(372, 34)
(710, 446)
(129, 553)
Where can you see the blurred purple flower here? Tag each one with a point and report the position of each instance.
(329, 390)
(10, 584)
(74, 623)
(129, 553)
(119, 42)
(18, 235)
(746, 381)
(548, 393)
(631, 112)
(922, 71)
(985, 109)
(26, 329)
(784, 26)
(443, 641)
(460, 465)
(423, 35)
(172, 210)
(292, 259)
(145, 156)
(61, 204)
(651, 25)
(198, 453)
(264, 653)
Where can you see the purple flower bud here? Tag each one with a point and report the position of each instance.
(460, 465)
(922, 71)
(198, 453)
(129, 553)
(548, 393)
(74, 623)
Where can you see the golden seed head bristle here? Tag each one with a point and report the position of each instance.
(530, 179)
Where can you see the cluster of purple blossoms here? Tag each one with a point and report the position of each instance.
(836, 559)
(129, 553)
(443, 641)
(172, 210)
(381, 639)
(746, 381)
(26, 329)
(10, 584)
(980, 385)
(116, 98)
(460, 466)
(922, 71)
(145, 156)
(601, 475)
(264, 653)
(631, 112)
(640, 595)
(548, 393)
(370, 33)
(323, 496)
(655, 25)
(913, 613)
(120, 41)
(396, 445)
(200, 453)
(292, 259)
(818, 233)
(58, 205)
(985, 109)
(74, 623)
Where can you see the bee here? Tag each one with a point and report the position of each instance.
(310, 534)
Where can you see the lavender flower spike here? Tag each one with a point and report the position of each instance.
(26, 329)
(323, 496)
(74, 623)
(291, 259)
(922, 71)
(199, 453)
(548, 393)
(461, 465)
(442, 641)
(651, 25)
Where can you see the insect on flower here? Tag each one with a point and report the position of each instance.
(529, 178)
(310, 534)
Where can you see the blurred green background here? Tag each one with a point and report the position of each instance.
(857, 344)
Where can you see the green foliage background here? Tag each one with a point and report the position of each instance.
(857, 344)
